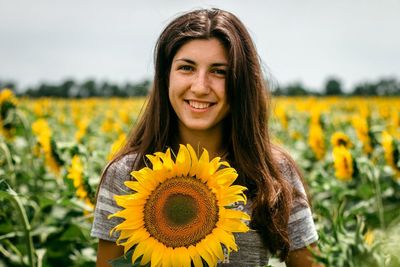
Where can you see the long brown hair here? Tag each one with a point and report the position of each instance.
(246, 126)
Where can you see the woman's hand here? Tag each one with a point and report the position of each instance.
(301, 258)
(106, 251)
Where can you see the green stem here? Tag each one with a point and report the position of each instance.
(31, 143)
(10, 164)
(378, 196)
(27, 227)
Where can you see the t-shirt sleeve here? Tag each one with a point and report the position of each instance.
(301, 228)
(113, 184)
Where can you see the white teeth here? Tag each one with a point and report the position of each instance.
(199, 105)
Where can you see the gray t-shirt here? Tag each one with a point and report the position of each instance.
(251, 252)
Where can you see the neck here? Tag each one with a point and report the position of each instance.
(211, 139)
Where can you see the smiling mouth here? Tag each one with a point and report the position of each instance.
(199, 105)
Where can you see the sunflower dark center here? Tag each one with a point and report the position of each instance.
(342, 142)
(180, 209)
(180, 212)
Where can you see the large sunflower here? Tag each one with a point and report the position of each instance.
(178, 212)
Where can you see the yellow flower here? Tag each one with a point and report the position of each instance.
(43, 132)
(75, 173)
(82, 128)
(340, 138)
(395, 119)
(107, 125)
(52, 163)
(316, 140)
(177, 213)
(7, 102)
(42, 107)
(282, 116)
(390, 152)
(315, 114)
(369, 237)
(124, 116)
(6, 95)
(343, 162)
(360, 123)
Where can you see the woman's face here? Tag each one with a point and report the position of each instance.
(197, 85)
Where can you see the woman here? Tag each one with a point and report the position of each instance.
(209, 92)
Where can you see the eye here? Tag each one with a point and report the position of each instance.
(219, 72)
(185, 68)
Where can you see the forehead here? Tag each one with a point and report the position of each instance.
(210, 50)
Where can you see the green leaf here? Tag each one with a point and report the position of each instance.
(72, 233)
(125, 261)
(45, 201)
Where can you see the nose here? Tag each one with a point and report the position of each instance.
(200, 85)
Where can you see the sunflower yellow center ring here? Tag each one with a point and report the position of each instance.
(180, 212)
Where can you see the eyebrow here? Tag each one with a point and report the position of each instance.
(217, 64)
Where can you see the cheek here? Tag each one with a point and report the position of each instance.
(221, 91)
(174, 95)
(171, 87)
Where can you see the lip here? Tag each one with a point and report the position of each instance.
(201, 105)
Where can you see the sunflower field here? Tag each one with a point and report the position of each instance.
(52, 152)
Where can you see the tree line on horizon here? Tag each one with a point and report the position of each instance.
(70, 88)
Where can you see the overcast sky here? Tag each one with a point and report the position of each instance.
(307, 41)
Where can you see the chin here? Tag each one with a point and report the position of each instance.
(199, 126)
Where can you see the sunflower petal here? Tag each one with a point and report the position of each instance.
(227, 178)
(158, 254)
(131, 224)
(226, 201)
(127, 213)
(194, 255)
(226, 238)
(234, 214)
(148, 250)
(215, 246)
(175, 258)
(232, 225)
(130, 200)
(183, 161)
(167, 161)
(232, 194)
(214, 165)
(137, 237)
(138, 187)
(167, 258)
(184, 256)
(125, 234)
(139, 251)
(203, 250)
(194, 161)
(225, 163)
(203, 166)
(144, 176)
(155, 162)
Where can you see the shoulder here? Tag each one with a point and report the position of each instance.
(124, 162)
(301, 227)
(118, 171)
(288, 168)
(114, 175)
